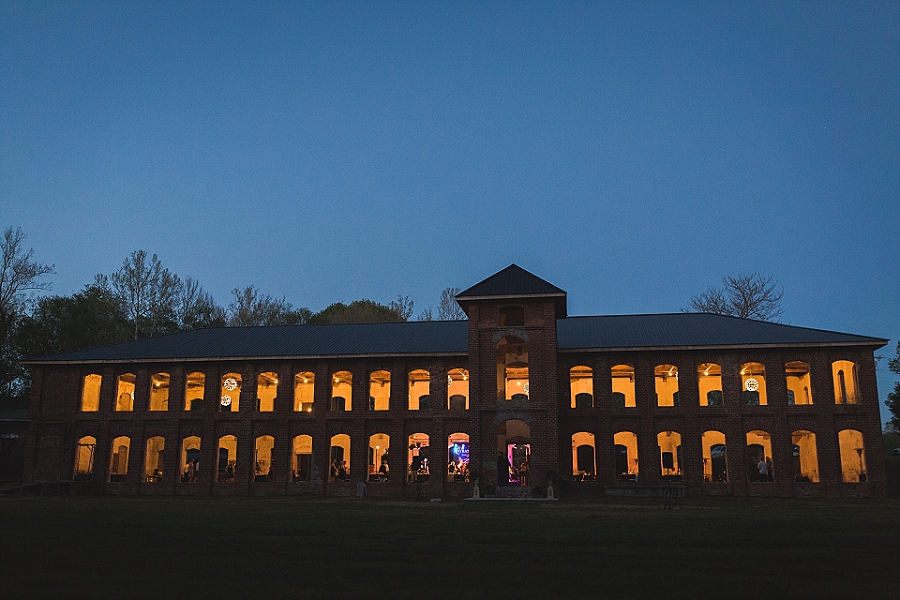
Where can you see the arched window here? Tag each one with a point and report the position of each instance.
(380, 390)
(419, 390)
(458, 457)
(709, 382)
(584, 465)
(226, 464)
(379, 448)
(853, 456)
(753, 384)
(153, 459)
(512, 369)
(418, 466)
(626, 455)
(846, 379)
(231, 392)
(715, 458)
(118, 464)
(194, 389)
(581, 387)
(125, 392)
(301, 458)
(796, 374)
(304, 390)
(84, 458)
(159, 391)
(262, 465)
(339, 467)
(666, 379)
(805, 456)
(512, 316)
(759, 456)
(458, 389)
(90, 393)
(190, 459)
(669, 443)
(266, 391)
(622, 386)
(341, 391)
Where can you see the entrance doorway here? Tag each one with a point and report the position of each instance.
(513, 453)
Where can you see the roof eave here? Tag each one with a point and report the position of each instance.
(875, 344)
(184, 359)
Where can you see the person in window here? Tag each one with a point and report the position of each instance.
(769, 474)
(763, 469)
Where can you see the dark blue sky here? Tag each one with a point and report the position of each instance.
(630, 153)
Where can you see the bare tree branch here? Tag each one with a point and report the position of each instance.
(449, 309)
(18, 273)
(748, 296)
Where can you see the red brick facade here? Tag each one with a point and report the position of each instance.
(57, 421)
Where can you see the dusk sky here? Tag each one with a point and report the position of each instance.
(631, 153)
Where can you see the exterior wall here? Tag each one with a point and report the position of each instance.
(57, 421)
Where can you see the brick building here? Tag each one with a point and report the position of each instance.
(517, 395)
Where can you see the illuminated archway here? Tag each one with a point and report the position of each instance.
(581, 387)
(846, 382)
(753, 384)
(304, 391)
(796, 374)
(622, 386)
(90, 393)
(194, 389)
(118, 464)
(805, 456)
(227, 459)
(84, 458)
(709, 383)
(342, 391)
(266, 391)
(666, 381)
(301, 458)
(715, 456)
(262, 464)
(419, 390)
(190, 459)
(512, 369)
(513, 452)
(125, 392)
(231, 393)
(380, 390)
(458, 457)
(159, 391)
(339, 465)
(153, 459)
(626, 455)
(458, 389)
(759, 450)
(669, 443)
(379, 448)
(853, 456)
(584, 464)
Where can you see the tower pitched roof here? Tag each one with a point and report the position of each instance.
(514, 282)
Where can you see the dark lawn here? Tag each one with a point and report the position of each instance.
(144, 547)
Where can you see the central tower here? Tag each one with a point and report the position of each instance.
(512, 360)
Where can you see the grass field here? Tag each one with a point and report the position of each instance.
(176, 547)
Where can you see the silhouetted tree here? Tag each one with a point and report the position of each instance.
(893, 399)
(19, 274)
(403, 306)
(358, 311)
(249, 307)
(148, 291)
(449, 309)
(196, 308)
(748, 296)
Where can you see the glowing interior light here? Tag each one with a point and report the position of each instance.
(751, 385)
(230, 384)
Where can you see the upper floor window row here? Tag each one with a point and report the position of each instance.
(752, 377)
(231, 385)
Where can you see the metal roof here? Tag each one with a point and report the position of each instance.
(679, 330)
(421, 338)
(514, 282)
(286, 341)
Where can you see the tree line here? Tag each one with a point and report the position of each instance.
(143, 299)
